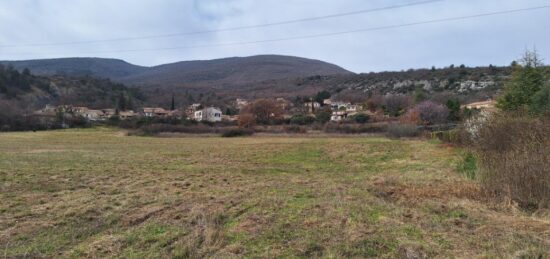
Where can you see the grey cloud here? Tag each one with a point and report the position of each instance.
(482, 41)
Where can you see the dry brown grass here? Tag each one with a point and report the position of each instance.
(514, 154)
(103, 194)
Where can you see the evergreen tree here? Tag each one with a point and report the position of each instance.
(173, 106)
(527, 79)
(321, 96)
(454, 109)
(540, 102)
(419, 95)
(121, 104)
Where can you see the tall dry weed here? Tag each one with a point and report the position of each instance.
(514, 157)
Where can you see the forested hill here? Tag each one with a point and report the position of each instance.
(24, 92)
(227, 72)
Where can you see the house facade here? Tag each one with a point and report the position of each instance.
(312, 107)
(210, 114)
(154, 112)
(93, 115)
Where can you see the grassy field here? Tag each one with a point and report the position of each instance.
(99, 193)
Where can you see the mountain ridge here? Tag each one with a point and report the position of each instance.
(228, 72)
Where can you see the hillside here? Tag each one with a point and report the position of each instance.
(467, 83)
(25, 92)
(227, 72)
(98, 67)
(218, 81)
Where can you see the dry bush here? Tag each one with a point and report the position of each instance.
(231, 133)
(514, 155)
(354, 128)
(155, 129)
(431, 112)
(396, 104)
(247, 120)
(295, 129)
(411, 117)
(398, 130)
(375, 102)
(458, 136)
(264, 111)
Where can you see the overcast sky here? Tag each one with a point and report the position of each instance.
(481, 41)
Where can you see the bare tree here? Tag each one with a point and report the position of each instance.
(431, 112)
(396, 104)
(263, 110)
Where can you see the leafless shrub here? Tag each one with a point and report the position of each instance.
(396, 104)
(295, 129)
(514, 156)
(398, 130)
(354, 128)
(431, 112)
(264, 111)
(155, 129)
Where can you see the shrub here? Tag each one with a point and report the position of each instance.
(468, 165)
(323, 117)
(454, 136)
(395, 104)
(265, 111)
(403, 131)
(411, 117)
(513, 152)
(361, 118)
(431, 112)
(155, 129)
(354, 128)
(302, 120)
(247, 120)
(237, 133)
(375, 102)
(295, 129)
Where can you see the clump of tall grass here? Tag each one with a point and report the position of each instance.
(468, 165)
(399, 130)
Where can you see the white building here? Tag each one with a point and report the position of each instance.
(241, 103)
(210, 114)
(340, 106)
(338, 116)
(93, 115)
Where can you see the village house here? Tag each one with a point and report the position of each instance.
(154, 112)
(312, 107)
(127, 115)
(108, 113)
(176, 113)
(283, 103)
(240, 103)
(210, 114)
(338, 116)
(92, 115)
(352, 108)
(191, 109)
(484, 105)
(79, 110)
(49, 110)
(340, 106)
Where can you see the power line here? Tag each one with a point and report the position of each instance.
(309, 19)
(457, 18)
